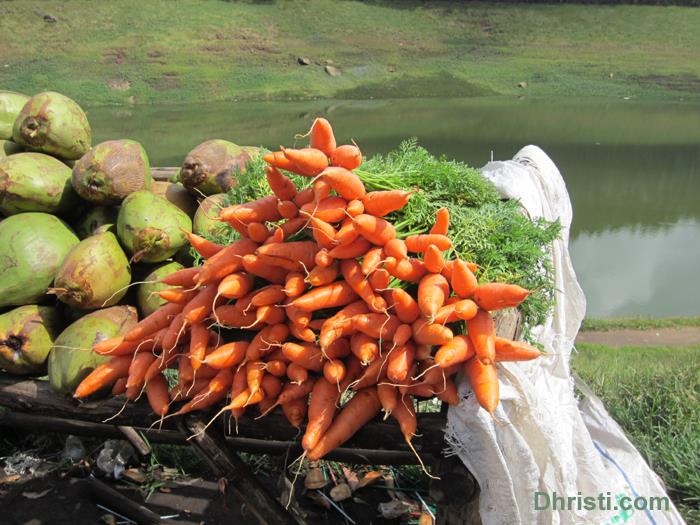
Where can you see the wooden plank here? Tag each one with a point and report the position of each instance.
(36, 397)
(116, 501)
(164, 173)
(39, 423)
(226, 464)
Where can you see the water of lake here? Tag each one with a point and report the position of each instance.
(632, 169)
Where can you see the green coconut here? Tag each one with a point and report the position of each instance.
(7, 148)
(11, 104)
(211, 167)
(52, 123)
(177, 194)
(205, 221)
(26, 336)
(95, 274)
(72, 359)
(112, 170)
(147, 293)
(151, 228)
(35, 182)
(32, 247)
(97, 219)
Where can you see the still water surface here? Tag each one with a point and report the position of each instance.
(632, 169)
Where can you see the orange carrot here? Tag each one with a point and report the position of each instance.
(307, 161)
(381, 203)
(322, 137)
(186, 391)
(324, 398)
(380, 279)
(420, 243)
(184, 277)
(103, 376)
(281, 185)
(348, 156)
(344, 182)
(292, 227)
(157, 394)
(356, 248)
(375, 229)
(295, 411)
(227, 355)
(329, 296)
(496, 296)
(297, 373)
(442, 222)
(199, 337)
(463, 281)
(137, 371)
(405, 306)
(119, 387)
(235, 285)
(352, 273)
(355, 207)
(323, 259)
(288, 210)
(433, 259)
(321, 275)
(258, 232)
(409, 269)
(379, 326)
(307, 355)
(355, 414)
(371, 374)
(261, 210)
(346, 234)
(276, 368)
(254, 265)
(324, 234)
(330, 209)
(364, 347)
(278, 160)
(433, 289)
(454, 311)
(226, 261)
(507, 350)
(388, 397)
(204, 247)
(201, 305)
(338, 349)
(482, 333)
(292, 391)
(458, 350)
(302, 252)
(403, 333)
(177, 295)
(334, 371)
(396, 248)
(304, 197)
(268, 295)
(159, 319)
(447, 392)
(426, 333)
(399, 363)
(484, 381)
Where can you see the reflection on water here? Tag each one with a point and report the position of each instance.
(633, 170)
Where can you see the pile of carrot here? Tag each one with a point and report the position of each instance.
(335, 303)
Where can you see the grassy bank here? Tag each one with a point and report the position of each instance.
(654, 394)
(202, 50)
(638, 323)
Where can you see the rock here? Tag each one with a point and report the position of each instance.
(333, 71)
(49, 19)
(341, 492)
(522, 84)
(303, 61)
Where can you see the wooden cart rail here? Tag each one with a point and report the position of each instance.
(31, 404)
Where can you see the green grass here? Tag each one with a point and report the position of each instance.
(654, 394)
(638, 323)
(201, 50)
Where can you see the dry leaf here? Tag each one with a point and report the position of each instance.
(341, 492)
(369, 478)
(36, 495)
(315, 479)
(135, 475)
(394, 509)
(10, 479)
(351, 477)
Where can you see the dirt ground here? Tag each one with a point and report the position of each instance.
(682, 336)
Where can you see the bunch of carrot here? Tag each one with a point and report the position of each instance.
(336, 302)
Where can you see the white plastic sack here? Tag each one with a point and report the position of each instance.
(542, 439)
